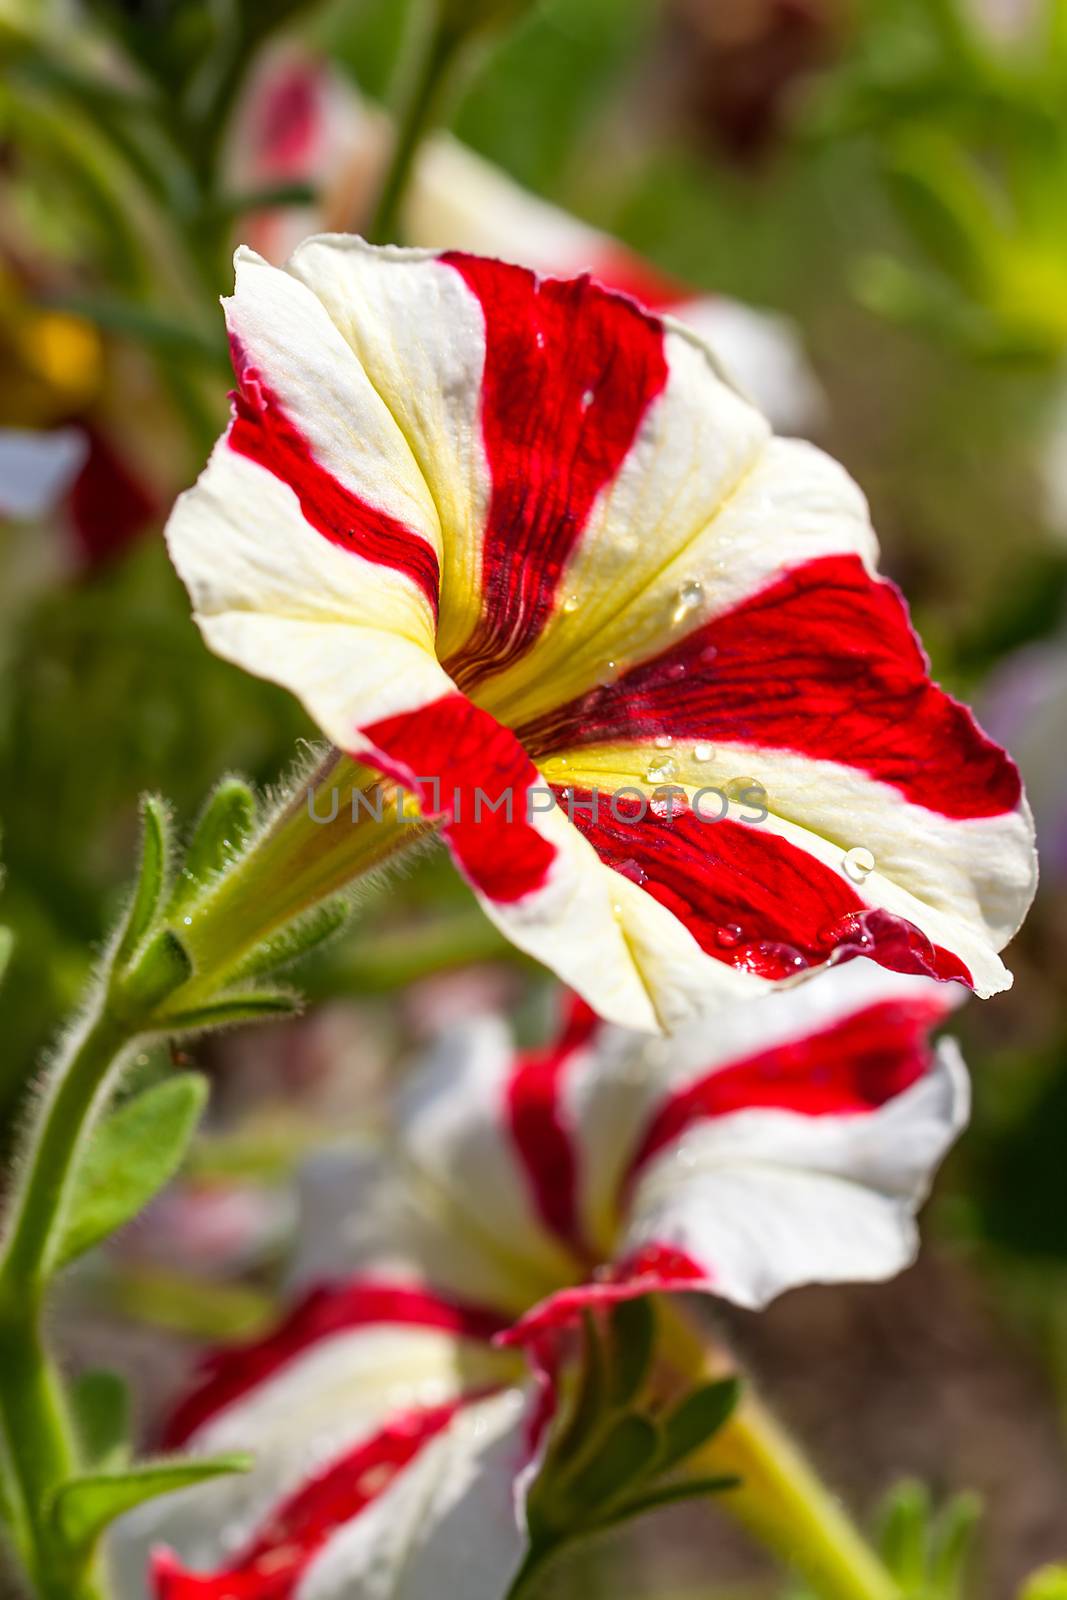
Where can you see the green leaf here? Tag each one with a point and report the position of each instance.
(151, 880)
(633, 1327)
(130, 1156)
(83, 1507)
(7, 944)
(225, 824)
(953, 1543)
(903, 1539)
(626, 1451)
(101, 1405)
(588, 1399)
(695, 1419)
(258, 1005)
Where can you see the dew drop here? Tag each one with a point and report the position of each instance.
(571, 604)
(858, 863)
(587, 398)
(667, 803)
(690, 596)
(742, 788)
(662, 770)
(729, 936)
(609, 673)
(188, 921)
(703, 751)
(663, 741)
(634, 871)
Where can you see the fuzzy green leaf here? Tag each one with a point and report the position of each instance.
(83, 1507)
(151, 879)
(131, 1154)
(101, 1406)
(695, 1419)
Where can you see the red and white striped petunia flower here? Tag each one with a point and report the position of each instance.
(392, 1446)
(517, 546)
(755, 1150)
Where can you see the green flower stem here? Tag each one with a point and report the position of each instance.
(781, 1501)
(422, 110)
(41, 1446)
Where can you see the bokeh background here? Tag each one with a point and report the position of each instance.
(889, 174)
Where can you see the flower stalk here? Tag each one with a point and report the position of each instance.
(781, 1501)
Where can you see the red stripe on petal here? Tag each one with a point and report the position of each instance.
(463, 767)
(853, 1067)
(233, 1371)
(653, 1269)
(272, 1564)
(749, 897)
(570, 371)
(261, 430)
(538, 1127)
(824, 663)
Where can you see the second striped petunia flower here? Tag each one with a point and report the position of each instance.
(520, 549)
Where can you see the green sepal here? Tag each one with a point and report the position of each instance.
(633, 1329)
(300, 937)
(220, 834)
(623, 1455)
(100, 1402)
(163, 967)
(256, 1005)
(667, 1494)
(151, 877)
(695, 1419)
(130, 1155)
(83, 1507)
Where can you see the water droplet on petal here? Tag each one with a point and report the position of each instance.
(587, 398)
(742, 788)
(634, 871)
(609, 673)
(690, 596)
(703, 751)
(663, 741)
(661, 770)
(729, 936)
(570, 604)
(858, 863)
(769, 958)
(667, 802)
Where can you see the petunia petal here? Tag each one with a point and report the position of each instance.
(771, 1199)
(348, 1390)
